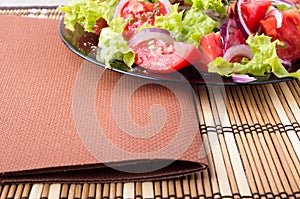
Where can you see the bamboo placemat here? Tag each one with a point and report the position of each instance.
(51, 13)
(252, 132)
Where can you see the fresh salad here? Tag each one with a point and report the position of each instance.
(243, 39)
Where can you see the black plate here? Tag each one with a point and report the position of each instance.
(187, 74)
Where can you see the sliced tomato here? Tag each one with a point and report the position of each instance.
(212, 45)
(142, 9)
(269, 26)
(288, 34)
(235, 37)
(231, 34)
(140, 12)
(162, 57)
(253, 12)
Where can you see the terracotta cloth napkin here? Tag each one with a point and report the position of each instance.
(65, 119)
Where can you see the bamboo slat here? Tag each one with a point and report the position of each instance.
(112, 190)
(105, 191)
(71, 192)
(119, 188)
(45, 191)
(164, 189)
(128, 190)
(18, 192)
(147, 190)
(64, 191)
(4, 192)
(54, 191)
(35, 192)
(26, 191)
(251, 135)
(98, 193)
(157, 190)
(138, 190)
(85, 191)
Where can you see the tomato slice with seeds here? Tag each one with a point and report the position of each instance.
(140, 12)
(160, 56)
(157, 51)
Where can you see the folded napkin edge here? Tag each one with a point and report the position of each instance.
(102, 173)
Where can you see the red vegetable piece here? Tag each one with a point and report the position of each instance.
(288, 34)
(296, 2)
(140, 12)
(87, 42)
(160, 56)
(236, 37)
(212, 45)
(253, 12)
(230, 33)
(268, 26)
(99, 25)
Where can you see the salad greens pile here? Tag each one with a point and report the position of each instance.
(87, 12)
(203, 17)
(264, 60)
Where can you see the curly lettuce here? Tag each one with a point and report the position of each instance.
(196, 24)
(87, 12)
(264, 61)
(171, 21)
(188, 26)
(112, 46)
(214, 5)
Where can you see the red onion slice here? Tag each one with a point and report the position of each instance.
(241, 22)
(242, 78)
(285, 2)
(238, 50)
(227, 25)
(167, 5)
(119, 7)
(285, 62)
(224, 31)
(244, 28)
(278, 15)
(150, 33)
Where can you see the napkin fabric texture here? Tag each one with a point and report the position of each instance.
(65, 119)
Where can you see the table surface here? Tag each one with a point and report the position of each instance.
(31, 3)
(256, 155)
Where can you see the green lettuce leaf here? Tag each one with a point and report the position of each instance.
(87, 12)
(264, 61)
(117, 25)
(196, 24)
(188, 27)
(214, 5)
(171, 21)
(112, 46)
